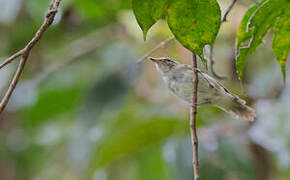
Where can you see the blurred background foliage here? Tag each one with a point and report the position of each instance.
(85, 110)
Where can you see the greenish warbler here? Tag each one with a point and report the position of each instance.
(178, 78)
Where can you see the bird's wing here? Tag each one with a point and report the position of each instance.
(208, 77)
(204, 82)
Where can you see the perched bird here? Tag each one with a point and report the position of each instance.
(178, 78)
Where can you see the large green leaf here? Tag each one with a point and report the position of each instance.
(195, 23)
(281, 40)
(151, 165)
(136, 138)
(255, 24)
(99, 12)
(148, 12)
(51, 104)
(243, 38)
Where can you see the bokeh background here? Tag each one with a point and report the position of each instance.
(85, 110)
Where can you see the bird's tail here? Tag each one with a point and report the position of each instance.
(238, 107)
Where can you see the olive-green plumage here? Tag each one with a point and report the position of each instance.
(179, 77)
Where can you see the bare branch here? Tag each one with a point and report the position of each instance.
(160, 45)
(11, 58)
(24, 53)
(13, 83)
(49, 17)
(224, 18)
(193, 112)
(89, 43)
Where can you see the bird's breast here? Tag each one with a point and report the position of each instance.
(179, 87)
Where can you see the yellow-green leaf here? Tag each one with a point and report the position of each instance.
(243, 35)
(281, 40)
(194, 23)
(148, 12)
(243, 38)
(255, 24)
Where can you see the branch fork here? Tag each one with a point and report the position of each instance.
(25, 52)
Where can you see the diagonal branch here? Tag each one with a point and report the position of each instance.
(11, 58)
(224, 18)
(13, 83)
(25, 52)
(89, 43)
(158, 46)
(193, 112)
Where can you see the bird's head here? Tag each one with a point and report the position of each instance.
(164, 64)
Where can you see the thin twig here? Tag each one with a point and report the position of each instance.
(25, 52)
(224, 18)
(193, 112)
(160, 45)
(11, 58)
(91, 45)
(13, 83)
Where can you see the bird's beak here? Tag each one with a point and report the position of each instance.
(152, 59)
(155, 59)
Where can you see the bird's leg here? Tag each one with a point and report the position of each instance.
(209, 83)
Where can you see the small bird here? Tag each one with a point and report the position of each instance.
(178, 78)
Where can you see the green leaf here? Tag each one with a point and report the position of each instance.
(195, 23)
(243, 38)
(151, 165)
(99, 10)
(281, 40)
(148, 12)
(136, 138)
(242, 34)
(254, 26)
(51, 104)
